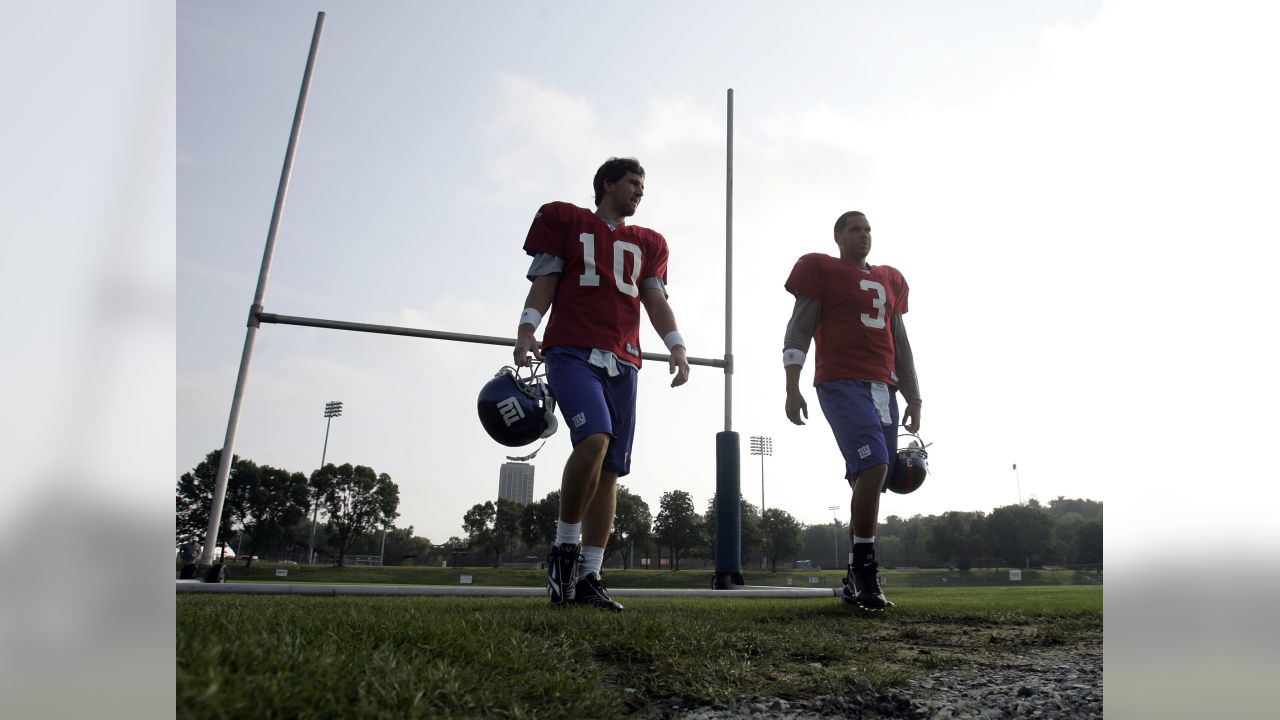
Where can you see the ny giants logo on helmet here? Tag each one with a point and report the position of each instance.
(511, 411)
(516, 410)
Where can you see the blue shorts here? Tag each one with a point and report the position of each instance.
(592, 402)
(864, 419)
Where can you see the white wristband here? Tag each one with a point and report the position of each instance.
(672, 339)
(530, 317)
(791, 356)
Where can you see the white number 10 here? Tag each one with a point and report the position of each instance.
(626, 286)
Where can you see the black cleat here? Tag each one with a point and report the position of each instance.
(862, 588)
(562, 573)
(591, 591)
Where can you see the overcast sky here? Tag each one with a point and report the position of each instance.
(1073, 190)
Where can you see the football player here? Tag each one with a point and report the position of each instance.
(594, 271)
(854, 310)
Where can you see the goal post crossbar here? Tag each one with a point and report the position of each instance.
(439, 335)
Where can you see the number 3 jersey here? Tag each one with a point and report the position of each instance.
(597, 301)
(854, 334)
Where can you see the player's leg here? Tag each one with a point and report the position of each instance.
(865, 506)
(581, 477)
(597, 524)
(580, 400)
(857, 412)
(597, 521)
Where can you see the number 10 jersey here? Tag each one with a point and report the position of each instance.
(597, 301)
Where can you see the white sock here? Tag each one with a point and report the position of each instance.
(568, 533)
(592, 559)
(858, 540)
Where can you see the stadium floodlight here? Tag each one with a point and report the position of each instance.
(332, 410)
(835, 530)
(761, 445)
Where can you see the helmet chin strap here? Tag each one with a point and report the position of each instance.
(531, 456)
(552, 424)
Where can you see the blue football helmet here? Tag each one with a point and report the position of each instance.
(910, 467)
(517, 410)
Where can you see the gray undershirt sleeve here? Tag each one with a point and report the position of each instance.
(904, 362)
(803, 323)
(654, 282)
(544, 264)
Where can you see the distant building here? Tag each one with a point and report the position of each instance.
(515, 482)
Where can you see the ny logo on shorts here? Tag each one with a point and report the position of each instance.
(511, 411)
(864, 452)
(579, 420)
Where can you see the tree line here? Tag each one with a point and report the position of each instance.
(272, 508)
(269, 510)
(1063, 532)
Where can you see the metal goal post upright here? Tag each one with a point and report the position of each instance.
(726, 442)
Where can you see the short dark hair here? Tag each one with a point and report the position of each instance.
(844, 219)
(613, 170)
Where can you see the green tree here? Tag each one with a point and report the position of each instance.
(403, 547)
(780, 535)
(751, 530)
(915, 541)
(1087, 547)
(493, 526)
(478, 524)
(888, 550)
(823, 544)
(1019, 534)
(272, 500)
(538, 521)
(632, 524)
(195, 497)
(506, 526)
(957, 536)
(677, 525)
(357, 500)
(1086, 509)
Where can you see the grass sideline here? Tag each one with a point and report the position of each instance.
(696, 578)
(396, 657)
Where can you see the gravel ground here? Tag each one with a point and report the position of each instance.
(1058, 681)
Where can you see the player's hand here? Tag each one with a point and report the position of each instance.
(911, 418)
(678, 366)
(796, 407)
(526, 343)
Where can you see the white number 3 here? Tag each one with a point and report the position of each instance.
(876, 322)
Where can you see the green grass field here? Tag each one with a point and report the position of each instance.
(401, 657)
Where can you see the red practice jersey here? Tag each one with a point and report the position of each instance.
(854, 337)
(597, 302)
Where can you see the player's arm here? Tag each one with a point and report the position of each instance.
(544, 275)
(654, 297)
(905, 366)
(795, 347)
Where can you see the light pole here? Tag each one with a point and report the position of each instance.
(382, 554)
(332, 410)
(761, 445)
(835, 527)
